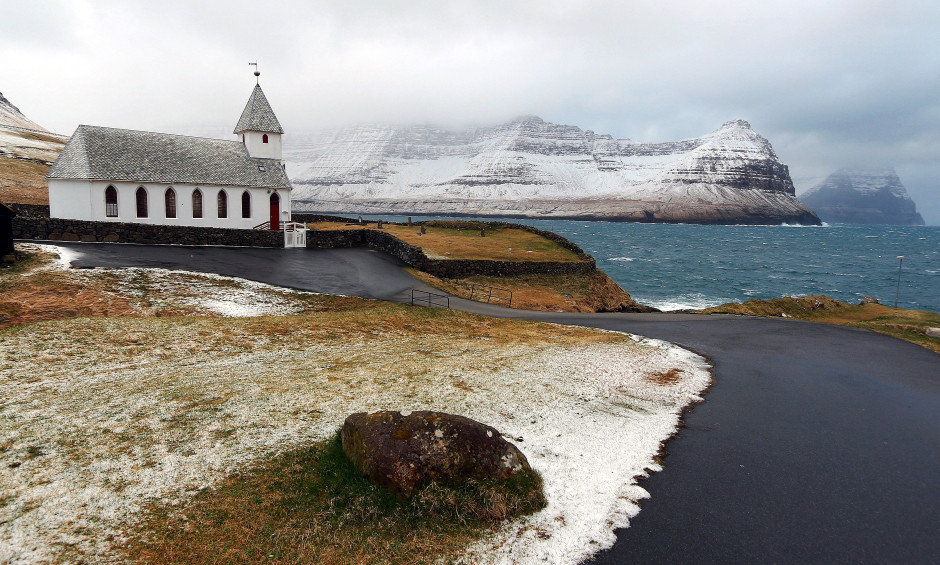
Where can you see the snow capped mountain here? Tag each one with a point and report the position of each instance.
(529, 167)
(863, 196)
(26, 152)
(10, 115)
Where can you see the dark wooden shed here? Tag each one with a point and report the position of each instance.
(6, 230)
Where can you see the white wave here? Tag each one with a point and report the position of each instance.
(693, 301)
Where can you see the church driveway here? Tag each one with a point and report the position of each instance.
(815, 444)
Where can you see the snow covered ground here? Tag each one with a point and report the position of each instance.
(100, 416)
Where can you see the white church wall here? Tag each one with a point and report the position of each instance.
(70, 199)
(84, 200)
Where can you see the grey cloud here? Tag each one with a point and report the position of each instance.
(830, 84)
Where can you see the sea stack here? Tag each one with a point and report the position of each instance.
(863, 196)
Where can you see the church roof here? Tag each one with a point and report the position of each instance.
(258, 115)
(110, 154)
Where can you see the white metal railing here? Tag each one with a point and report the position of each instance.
(295, 234)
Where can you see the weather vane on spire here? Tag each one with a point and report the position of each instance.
(257, 72)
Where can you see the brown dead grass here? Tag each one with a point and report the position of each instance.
(32, 301)
(577, 292)
(23, 182)
(909, 325)
(665, 378)
(31, 293)
(442, 242)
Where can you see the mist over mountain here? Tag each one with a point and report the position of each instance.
(532, 168)
(863, 196)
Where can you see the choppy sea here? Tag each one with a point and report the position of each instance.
(677, 266)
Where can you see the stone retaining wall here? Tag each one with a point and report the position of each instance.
(448, 268)
(57, 229)
(33, 222)
(30, 210)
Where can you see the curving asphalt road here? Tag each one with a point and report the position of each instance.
(816, 443)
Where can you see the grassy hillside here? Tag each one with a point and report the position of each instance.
(909, 325)
(25, 158)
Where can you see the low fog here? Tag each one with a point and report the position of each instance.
(843, 84)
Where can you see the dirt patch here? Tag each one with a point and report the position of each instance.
(665, 378)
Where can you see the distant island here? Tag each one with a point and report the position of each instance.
(533, 168)
(863, 196)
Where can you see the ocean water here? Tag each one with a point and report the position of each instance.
(674, 267)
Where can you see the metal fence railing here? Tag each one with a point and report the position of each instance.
(492, 294)
(430, 299)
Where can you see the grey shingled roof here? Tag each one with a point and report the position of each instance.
(109, 154)
(258, 115)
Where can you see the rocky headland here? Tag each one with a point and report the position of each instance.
(533, 168)
(863, 196)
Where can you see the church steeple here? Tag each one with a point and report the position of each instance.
(258, 127)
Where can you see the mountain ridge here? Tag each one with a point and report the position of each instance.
(528, 167)
(26, 152)
(11, 116)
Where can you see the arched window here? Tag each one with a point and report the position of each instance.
(246, 204)
(264, 138)
(197, 203)
(110, 202)
(169, 198)
(141, 202)
(223, 204)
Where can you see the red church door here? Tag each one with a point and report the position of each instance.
(275, 212)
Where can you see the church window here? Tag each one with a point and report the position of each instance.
(223, 204)
(197, 203)
(264, 138)
(110, 202)
(246, 204)
(141, 202)
(170, 201)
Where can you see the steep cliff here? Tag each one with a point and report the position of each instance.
(863, 196)
(533, 168)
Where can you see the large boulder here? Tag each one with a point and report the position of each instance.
(403, 450)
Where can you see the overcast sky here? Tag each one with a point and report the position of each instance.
(831, 84)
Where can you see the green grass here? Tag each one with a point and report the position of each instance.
(312, 506)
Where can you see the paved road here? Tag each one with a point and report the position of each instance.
(816, 444)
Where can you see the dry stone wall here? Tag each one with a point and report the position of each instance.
(57, 229)
(33, 222)
(452, 268)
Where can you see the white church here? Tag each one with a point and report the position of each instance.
(107, 174)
